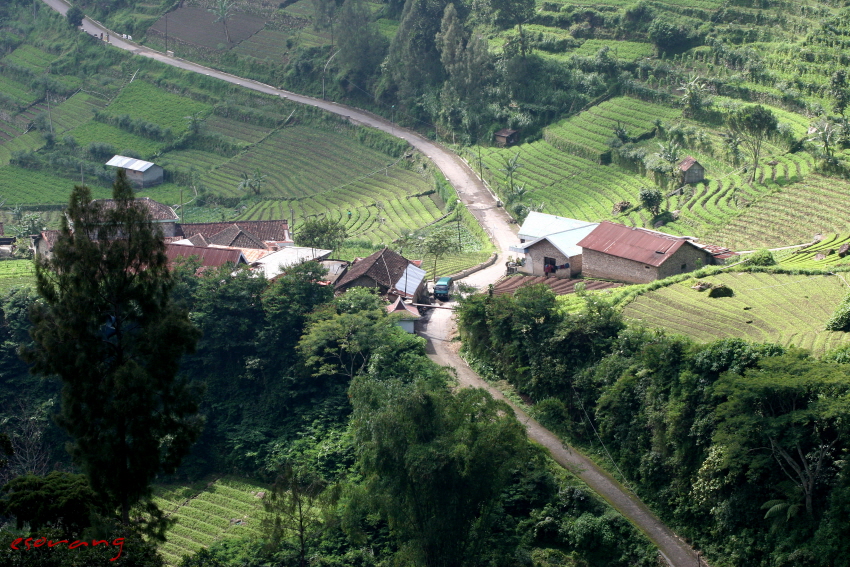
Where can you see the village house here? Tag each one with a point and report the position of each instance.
(274, 264)
(388, 272)
(691, 171)
(506, 137)
(140, 173)
(549, 244)
(209, 257)
(638, 255)
(406, 315)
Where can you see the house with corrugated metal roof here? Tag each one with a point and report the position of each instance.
(549, 244)
(637, 255)
(691, 171)
(139, 172)
(388, 272)
(209, 257)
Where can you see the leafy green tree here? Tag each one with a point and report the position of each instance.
(107, 328)
(838, 91)
(753, 124)
(294, 508)
(222, 10)
(75, 16)
(514, 13)
(650, 199)
(56, 498)
(434, 462)
(413, 59)
(695, 95)
(786, 420)
(321, 233)
(362, 46)
(438, 243)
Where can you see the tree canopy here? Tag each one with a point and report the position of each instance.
(106, 326)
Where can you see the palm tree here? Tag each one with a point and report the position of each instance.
(511, 167)
(257, 180)
(221, 9)
(246, 183)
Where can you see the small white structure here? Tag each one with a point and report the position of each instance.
(406, 315)
(274, 264)
(550, 245)
(140, 173)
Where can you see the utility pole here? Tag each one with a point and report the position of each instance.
(49, 116)
(166, 33)
(325, 69)
(457, 214)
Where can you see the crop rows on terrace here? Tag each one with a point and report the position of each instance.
(25, 186)
(187, 160)
(30, 57)
(789, 216)
(16, 273)
(72, 113)
(587, 134)
(402, 215)
(26, 142)
(226, 507)
(142, 100)
(568, 185)
(626, 50)
(119, 139)
(453, 263)
(236, 130)
(784, 309)
(18, 92)
(308, 162)
(804, 258)
(708, 208)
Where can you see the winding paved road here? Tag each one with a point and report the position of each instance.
(440, 327)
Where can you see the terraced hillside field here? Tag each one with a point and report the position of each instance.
(791, 215)
(776, 308)
(227, 507)
(807, 258)
(587, 133)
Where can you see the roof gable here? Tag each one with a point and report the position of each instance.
(266, 231)
(566, 242)
(404, 310)
(688, 162)
(207, 256)
(157, 210)
(540, 224)
(632, 243)
(386, 268)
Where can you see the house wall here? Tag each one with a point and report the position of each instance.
(407, 325)
(153, 176)
(690, 257)
(695, 174)
(601, 265)
(534, 260)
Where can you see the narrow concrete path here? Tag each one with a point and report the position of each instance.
(441, 327)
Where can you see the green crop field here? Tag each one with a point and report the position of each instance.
(792, 214)
(805, 258)
(141, 100)
(18, 92)
(784, 309)
(587, 133)
(227, 507)
(16, 273)
(625, 50)
(29, 57)
(236, 130)
(119, 139)
(25, 186)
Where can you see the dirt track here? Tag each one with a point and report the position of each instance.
(440, 328)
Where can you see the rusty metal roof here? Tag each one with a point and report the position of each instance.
(687, 163)
(637, 244)
(207, 256)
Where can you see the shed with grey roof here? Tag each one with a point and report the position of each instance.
(139, 172)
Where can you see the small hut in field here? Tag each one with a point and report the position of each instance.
(506, 137)
(691, 171)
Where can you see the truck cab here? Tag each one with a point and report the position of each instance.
(443, 288)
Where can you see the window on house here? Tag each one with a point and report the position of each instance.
(548, 261)
(684, 267)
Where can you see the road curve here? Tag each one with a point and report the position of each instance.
(440, 327)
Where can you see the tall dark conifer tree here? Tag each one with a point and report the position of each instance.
(106, 326)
